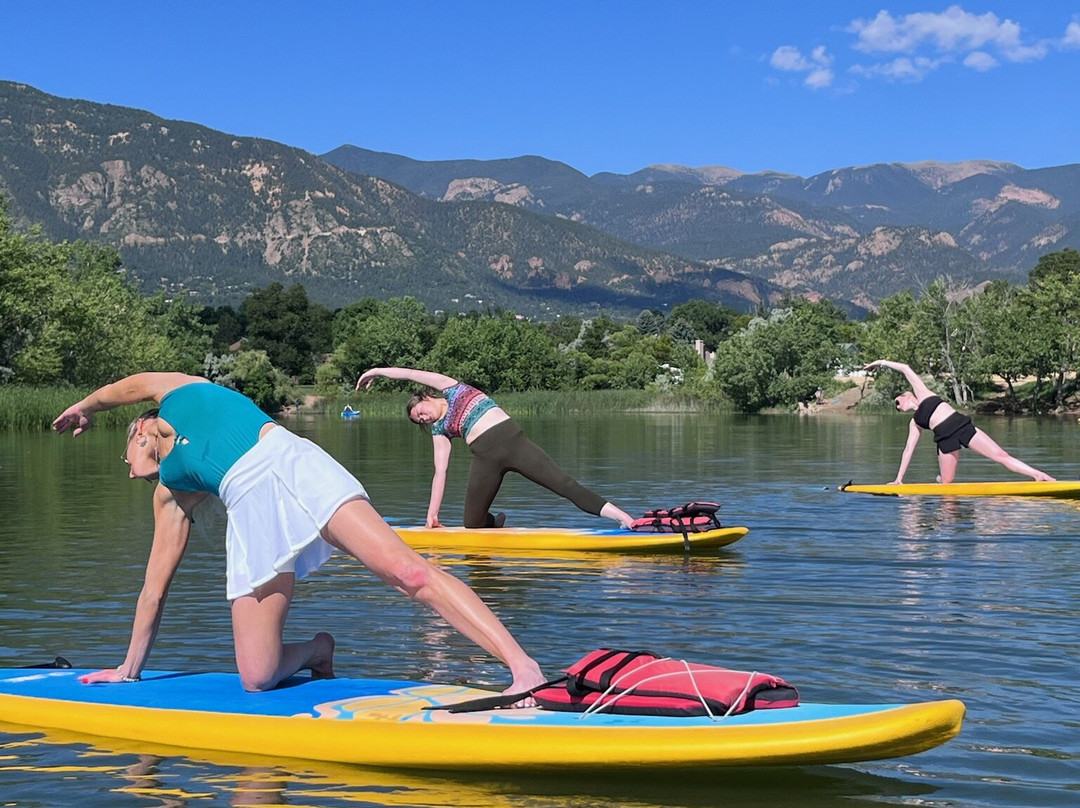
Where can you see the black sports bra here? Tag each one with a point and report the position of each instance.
(925, 410)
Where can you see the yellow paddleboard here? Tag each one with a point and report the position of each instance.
(509, 539)
(378, 722)
(1062, 489)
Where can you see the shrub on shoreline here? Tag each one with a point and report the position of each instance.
(25, 408)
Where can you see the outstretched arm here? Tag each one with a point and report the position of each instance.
(129, 390)
(918, 386)
(172, 527)
(436, 381)
(442, 448)
(909, 449)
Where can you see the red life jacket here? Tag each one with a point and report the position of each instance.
(641, 683)
(693, 517)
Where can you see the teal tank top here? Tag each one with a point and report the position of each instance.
(214, 427)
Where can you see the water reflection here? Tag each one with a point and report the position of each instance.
(163, 778)
(919, 517)
(851, 598)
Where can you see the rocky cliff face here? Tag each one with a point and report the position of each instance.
(855, 233)
(195, 209)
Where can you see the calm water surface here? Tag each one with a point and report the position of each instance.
(851, 598)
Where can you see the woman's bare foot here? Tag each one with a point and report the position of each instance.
(322, 663)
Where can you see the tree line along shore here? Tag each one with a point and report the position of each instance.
(72, 321)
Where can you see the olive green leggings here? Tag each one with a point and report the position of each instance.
(505, 448)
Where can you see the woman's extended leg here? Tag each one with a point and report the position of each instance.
(262, 658)
(987, 447)
(357, 528)
(533, 463)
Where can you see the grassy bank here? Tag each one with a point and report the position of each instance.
(32, 409)
(535, 402)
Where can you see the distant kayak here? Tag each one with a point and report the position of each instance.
(1061, 489)
(379, 722)
(560, 539)
(349, 412)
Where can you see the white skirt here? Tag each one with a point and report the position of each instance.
(279, 496)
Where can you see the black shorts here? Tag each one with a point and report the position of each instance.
(954, 432)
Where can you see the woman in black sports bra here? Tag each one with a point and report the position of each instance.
(952, 430)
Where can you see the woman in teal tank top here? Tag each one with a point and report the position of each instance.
(289, 505)
(496, 442)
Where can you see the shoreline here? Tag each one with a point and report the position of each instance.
(847, 403)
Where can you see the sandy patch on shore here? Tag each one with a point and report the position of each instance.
(840, 404)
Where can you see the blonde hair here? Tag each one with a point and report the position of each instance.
(133, 427)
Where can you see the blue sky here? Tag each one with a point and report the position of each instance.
(799, 87)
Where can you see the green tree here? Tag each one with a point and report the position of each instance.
(253, 374)
(293, 331)
(1055, 288)
(651, 323)
(33, 279)
(397, 332)
(70, 315)
(712, 322)
(1006, 348)
(499, 353)
(593, 339)
(681, 331)
(564, 330)
(891, 333)
(953, 333)
(226, 326)
(345, 319)
(782, 359)
(182, 326)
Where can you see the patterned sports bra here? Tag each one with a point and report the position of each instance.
(464, 406)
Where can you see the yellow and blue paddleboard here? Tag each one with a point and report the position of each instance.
(1062, 489)
(383, 723)
(533, 540)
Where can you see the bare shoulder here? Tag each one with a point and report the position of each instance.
(159, 384)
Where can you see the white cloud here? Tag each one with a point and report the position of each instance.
(1072, 35)
(822, 77)
(788, 57)
(903, 68)
(980, 60)
(818, 65)
(952, 31)
(914, 45)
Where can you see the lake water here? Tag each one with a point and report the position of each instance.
(851, 598)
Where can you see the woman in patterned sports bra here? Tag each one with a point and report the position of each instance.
(951, 429)
(497, 444)
(290, 504)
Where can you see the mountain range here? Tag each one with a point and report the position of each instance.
(852, 234)
(200, 211)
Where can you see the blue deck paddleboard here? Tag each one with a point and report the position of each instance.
(381, 722)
